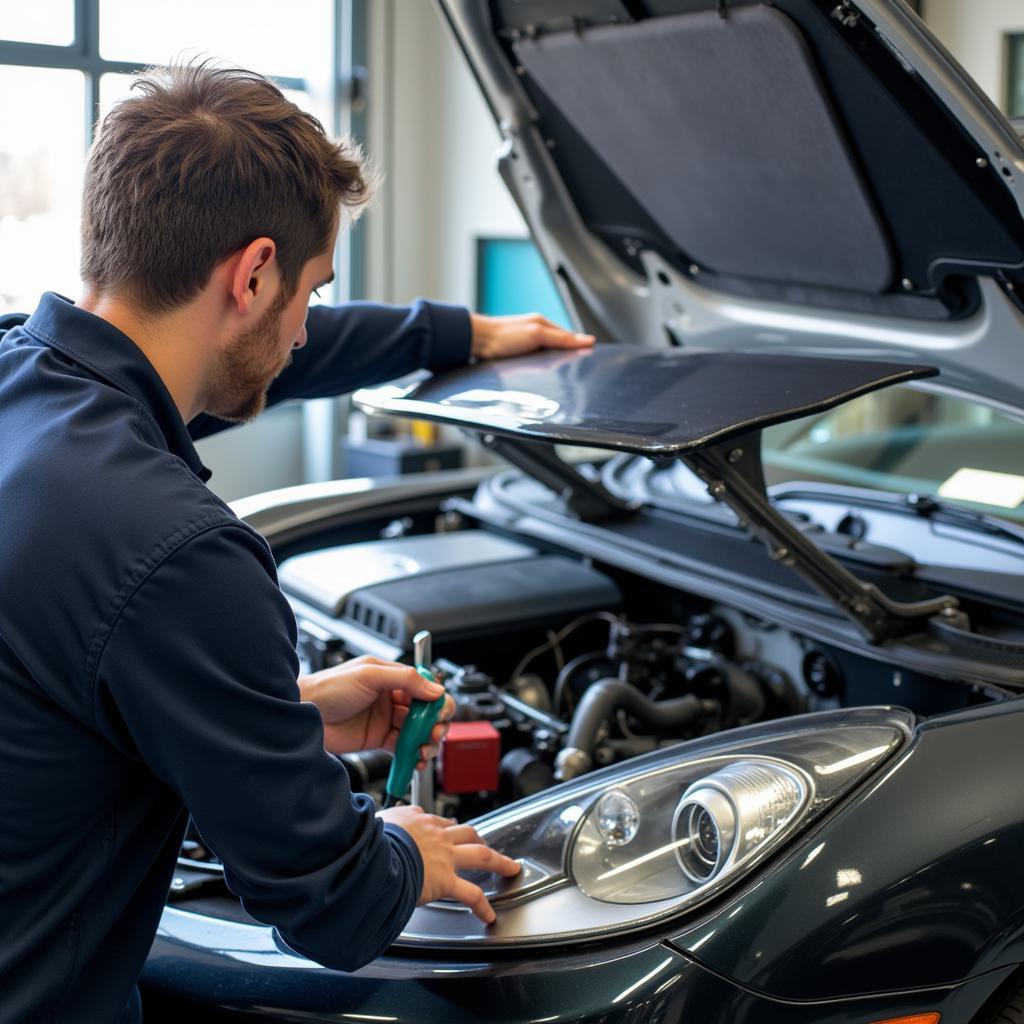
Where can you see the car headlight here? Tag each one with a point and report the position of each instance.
(622, 848)
(720, 821)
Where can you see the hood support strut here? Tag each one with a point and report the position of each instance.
(734, 475)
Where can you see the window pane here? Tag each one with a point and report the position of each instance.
(41, 163)
(908, 441)
(113, 87)
(51, 22)
(1015, 75)
(293, 39)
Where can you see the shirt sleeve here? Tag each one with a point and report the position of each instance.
(199, 674)
(363, 343)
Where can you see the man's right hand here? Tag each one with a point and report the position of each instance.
(446, 848)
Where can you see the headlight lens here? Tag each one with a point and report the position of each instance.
(629, 845)
(723, 818)
(689, 833)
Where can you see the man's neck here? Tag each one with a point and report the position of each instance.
(170, 341)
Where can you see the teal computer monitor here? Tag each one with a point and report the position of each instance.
(511, 278)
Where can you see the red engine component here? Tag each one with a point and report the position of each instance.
(468, 762)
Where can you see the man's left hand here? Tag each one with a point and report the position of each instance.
(364, 701)
(495, 337)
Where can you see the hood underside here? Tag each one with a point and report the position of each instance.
(654, 403)
(812, 175)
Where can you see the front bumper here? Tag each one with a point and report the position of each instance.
(205, 971)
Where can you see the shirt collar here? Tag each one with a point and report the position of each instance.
(100, 347)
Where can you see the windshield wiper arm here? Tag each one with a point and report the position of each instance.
(924, 505)
(940, 511)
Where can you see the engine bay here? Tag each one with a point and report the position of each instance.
(551, 676)
(559, 666)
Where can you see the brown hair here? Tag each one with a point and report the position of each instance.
(198, 165)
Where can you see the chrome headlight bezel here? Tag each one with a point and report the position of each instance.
(825, 756)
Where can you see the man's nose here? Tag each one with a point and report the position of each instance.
(300, 338)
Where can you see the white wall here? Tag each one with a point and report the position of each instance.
(973, 31)
(433, 137)
(259, 456)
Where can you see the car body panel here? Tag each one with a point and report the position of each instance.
(915, 882)
(242, 967)
(240, 972)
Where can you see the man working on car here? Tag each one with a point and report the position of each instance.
(147, 659)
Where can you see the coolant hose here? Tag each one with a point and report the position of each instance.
(599, 701)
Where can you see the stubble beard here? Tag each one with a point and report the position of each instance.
(246, 366)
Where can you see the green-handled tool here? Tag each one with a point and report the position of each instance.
(415, 729)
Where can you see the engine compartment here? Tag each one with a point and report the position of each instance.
(559, 665)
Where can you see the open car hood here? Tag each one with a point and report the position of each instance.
(810, 176)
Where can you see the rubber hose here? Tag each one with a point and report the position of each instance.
(746, 695)
(600, 699)
(366, 768)
(568, 672)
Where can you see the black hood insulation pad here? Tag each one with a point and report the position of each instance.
(729, 142)
(921, 185)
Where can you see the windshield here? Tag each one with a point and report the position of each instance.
(907, 441)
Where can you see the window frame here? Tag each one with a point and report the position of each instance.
(347, 97)
(83, 54)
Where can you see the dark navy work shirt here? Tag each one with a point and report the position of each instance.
(147, 665)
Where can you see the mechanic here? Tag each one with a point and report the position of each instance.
(147, 656)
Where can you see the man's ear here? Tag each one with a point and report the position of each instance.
(255, 274)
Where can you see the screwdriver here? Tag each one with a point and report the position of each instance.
(415, 729)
